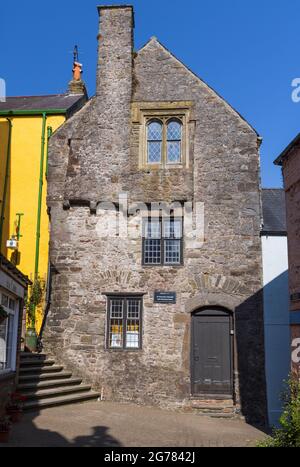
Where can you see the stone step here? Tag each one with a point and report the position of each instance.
(25, 355)
(36, 362)
(57, 392)
(44, 376)
(209, 404)
(62, 400)
(48, 384)
(217, 415)
(41, 369)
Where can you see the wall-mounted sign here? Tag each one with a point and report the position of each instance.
(165, 297)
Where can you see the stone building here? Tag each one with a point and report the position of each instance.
(163, 317)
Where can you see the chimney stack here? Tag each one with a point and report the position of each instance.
(77, 85)
(115, 50)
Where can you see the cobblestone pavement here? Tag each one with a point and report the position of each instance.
(111, 425)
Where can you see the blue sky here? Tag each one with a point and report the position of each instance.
(246, 50)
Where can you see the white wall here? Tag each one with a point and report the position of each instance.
(276, 315)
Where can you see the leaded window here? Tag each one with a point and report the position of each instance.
(155, 138)
(174, 140)
(162, 242)
(124, 323)
(164, 141)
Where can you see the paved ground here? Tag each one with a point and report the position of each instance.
(109, 425)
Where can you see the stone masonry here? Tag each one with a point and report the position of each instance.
(93, 158)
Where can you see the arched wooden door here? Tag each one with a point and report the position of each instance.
(212, 352)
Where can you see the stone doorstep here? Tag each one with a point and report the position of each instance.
(212, 404)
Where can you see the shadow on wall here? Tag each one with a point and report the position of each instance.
(263, 338)
(27, 434)
(277, 343)
(4, 135)
(249, 329)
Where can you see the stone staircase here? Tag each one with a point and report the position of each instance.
(45, 384)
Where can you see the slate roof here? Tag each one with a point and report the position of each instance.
(274, 211)
(8, 267)
(69, 103)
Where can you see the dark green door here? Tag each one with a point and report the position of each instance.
(212, 353)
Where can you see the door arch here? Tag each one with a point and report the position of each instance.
(212, 351)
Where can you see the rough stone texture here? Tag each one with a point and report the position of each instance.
(93, 157)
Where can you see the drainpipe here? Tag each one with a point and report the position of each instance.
(5, 182)
(49, 134)
(39, 211)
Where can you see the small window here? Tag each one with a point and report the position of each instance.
(155, 139)
(163, 242)
(124, 323)
(174, 139)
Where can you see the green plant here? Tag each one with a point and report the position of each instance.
(3, 314)
(288, 435)
(34, 299)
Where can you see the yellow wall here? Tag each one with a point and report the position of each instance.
(22, 193)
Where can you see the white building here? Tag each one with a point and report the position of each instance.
(276, 299)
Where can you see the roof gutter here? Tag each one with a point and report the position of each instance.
(284, 154)
(37, 112)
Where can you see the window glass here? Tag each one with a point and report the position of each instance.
(116, 324)
(125, 323)
(174, 137)
(154, 137)
(166, 248)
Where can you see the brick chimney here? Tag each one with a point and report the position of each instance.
(77, 85)
(115, 60)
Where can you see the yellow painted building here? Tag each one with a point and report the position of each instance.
(25, 124)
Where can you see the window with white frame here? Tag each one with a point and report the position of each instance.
(8, 333)
(124, 323)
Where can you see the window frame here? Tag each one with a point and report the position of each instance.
(124, 298)
(165, 120)
(14, 335)
(163, 239)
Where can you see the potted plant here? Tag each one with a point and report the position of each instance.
(34, 300)
(5, 427)
(14, 408)
(3, 314)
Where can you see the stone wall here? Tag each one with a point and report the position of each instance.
(92, 158)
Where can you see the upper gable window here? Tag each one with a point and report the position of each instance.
(164, 141)
(161, 134)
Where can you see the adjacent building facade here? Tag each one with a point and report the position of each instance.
(26, 124)
(13, 289)
(142, 306)
(289, 160)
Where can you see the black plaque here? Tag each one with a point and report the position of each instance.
(165, 297)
